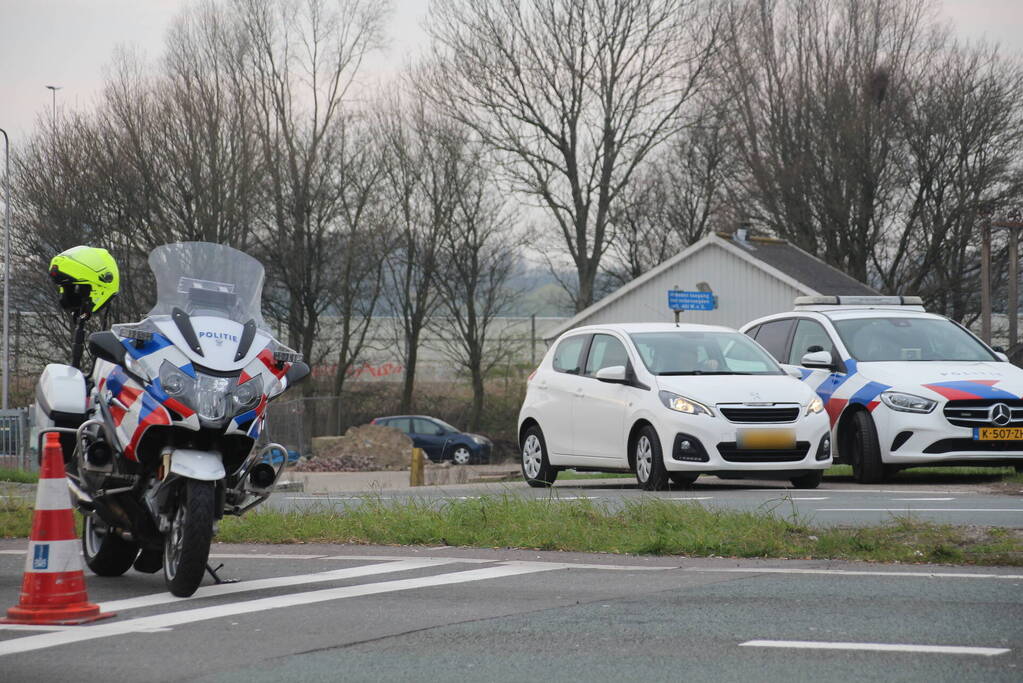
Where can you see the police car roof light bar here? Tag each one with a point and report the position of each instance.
(858, 301)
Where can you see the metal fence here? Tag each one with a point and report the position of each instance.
(14, 440)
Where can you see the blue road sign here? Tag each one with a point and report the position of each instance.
(681, 300)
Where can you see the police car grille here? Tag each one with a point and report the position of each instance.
(749, 414)
(975, 412)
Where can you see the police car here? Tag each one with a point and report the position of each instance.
(901, 386)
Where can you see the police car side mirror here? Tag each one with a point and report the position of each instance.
(817, 359)
(1001, 356)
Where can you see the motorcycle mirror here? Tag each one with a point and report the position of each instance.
(297, 372)
(107, 346)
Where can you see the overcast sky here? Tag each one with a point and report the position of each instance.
(68, 43)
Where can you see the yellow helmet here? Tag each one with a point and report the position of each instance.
(87, 278)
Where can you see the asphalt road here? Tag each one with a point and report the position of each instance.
(834, 503)
(330, 613)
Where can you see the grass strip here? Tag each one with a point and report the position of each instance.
(18, 476)
(650, 527)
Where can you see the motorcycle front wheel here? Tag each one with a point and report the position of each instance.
(187, 543)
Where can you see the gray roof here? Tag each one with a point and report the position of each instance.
(802, 266)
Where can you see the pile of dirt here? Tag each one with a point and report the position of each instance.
(366, 448)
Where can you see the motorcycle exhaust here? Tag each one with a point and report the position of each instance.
(262, 476)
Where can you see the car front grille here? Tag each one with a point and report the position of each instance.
(976, 412)
(760, 414)
(731, 452)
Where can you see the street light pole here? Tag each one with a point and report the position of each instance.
(7, 265)
(54, 89)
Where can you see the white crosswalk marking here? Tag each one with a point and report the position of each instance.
(131, 626)
(275, 582)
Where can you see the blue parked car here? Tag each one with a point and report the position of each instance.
(439, 440)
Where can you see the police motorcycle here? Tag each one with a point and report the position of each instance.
(160, 441)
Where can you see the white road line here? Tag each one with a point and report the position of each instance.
(819, 498)
(130, 626)
(909, 509)
(274, 582)
(267, 556)
(12, 552)
(879, 647)
(560, 498)
(693, 498)
(854, 572)
(920, 499)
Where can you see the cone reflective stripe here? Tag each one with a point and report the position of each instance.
(53, 587)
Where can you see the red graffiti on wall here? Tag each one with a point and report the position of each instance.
(363, 371)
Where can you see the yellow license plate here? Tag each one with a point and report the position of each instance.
(998, 434)
(772, 439)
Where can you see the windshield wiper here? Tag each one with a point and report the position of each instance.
(676, 373)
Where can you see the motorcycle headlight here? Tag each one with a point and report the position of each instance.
(174, 382)
(248, 394)
(211, 397)
(682, 404)
(907, 403)
(815, 406)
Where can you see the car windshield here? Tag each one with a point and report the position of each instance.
(703, 353)
(909, 339)
(202, 278)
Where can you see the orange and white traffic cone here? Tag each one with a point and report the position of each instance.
(53, 587)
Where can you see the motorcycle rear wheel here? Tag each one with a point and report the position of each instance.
(187, 543)
(106, 554)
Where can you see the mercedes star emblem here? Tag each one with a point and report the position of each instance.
(1000, 414)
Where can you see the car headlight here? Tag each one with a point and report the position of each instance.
(478, 439)
(682, 404)
(907, 403)
(247, 395)
(815, 406)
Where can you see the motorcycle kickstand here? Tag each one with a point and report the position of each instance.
(216, 577)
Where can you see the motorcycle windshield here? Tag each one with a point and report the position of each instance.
(208, 279)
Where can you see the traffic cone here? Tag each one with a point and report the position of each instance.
(53, 587)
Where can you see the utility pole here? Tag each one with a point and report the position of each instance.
(7, 268)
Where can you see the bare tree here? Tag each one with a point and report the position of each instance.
(305, 56)
(674, 200)
(481, 251)
(573, 93)
(364, 240)
(423, 185)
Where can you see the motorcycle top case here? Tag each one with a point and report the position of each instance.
(61, 395)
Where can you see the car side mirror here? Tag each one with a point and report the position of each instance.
(613, 374)
(791, 370)
(108, 346)
(817, 359)
(1001, 356)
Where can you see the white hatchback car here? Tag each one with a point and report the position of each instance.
(903, 387)
(669, 402)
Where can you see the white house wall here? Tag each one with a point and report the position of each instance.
(744, 292)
